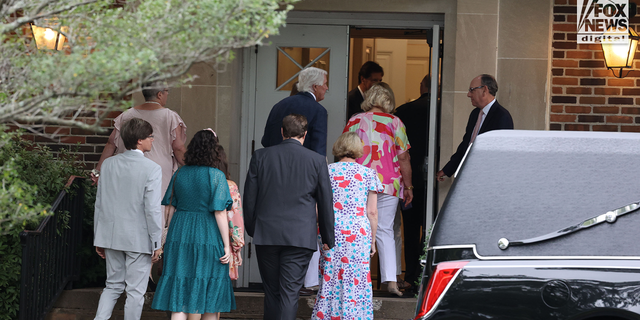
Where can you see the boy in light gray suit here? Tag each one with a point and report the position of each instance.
(128, 220)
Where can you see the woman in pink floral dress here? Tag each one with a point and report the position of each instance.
(345, 291)
(385, 150)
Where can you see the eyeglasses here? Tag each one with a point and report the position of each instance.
(471, 89)
(150, 137)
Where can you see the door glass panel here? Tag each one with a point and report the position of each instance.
(291, 60)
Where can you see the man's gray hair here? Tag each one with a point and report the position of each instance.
(490, 82)
(310, 76)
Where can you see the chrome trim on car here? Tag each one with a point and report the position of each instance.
(455, 174)
(475, 252)
(609, 216)
(554, 266)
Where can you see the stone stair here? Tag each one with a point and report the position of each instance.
(81, 304)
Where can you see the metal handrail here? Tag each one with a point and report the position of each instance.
(49, 262)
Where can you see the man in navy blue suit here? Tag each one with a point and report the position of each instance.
(286, 192)
(312, 85)
(488, 115)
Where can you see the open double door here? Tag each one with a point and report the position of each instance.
(270, 72)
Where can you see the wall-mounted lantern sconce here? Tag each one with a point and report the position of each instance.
(619, 55)
(47, 38)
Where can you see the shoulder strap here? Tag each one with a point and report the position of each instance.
(173, 186)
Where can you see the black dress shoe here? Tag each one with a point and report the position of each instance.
(412, 290)
(307, 292)
(151, 286)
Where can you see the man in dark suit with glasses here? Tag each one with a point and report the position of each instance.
(488, 115)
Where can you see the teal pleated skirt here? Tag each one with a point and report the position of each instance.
(193, 279)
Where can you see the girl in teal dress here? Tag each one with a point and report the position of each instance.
(195, 277)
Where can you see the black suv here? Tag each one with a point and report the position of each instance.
(538, 225)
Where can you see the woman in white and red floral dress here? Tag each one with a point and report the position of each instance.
(345, 290)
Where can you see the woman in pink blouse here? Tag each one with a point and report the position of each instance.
(169, 133)
(385, 151)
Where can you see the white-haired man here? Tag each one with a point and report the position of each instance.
(312, 85)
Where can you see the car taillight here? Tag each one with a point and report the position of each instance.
(445, 272)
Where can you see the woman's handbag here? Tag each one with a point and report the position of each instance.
(168, 212)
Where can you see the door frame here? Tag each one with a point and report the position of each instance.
(352, 19)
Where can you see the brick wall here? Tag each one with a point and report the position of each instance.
(585, 96)
(89, 144)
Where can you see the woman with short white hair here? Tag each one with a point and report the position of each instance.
(385, 150)
(346, 291)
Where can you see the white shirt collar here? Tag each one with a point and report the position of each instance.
(485, 111)
(314, 96)
(136, 150)
(361, 93)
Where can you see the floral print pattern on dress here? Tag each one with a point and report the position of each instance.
(345, 278)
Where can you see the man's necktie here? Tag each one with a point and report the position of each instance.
(477, 127)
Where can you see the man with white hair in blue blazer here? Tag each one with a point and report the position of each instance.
(312, 85)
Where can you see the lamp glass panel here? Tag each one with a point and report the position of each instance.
(62, 39)
(632, 52)
(45, 37)
(615, 54)
(619, 54)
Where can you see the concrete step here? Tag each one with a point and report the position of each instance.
(81, 304)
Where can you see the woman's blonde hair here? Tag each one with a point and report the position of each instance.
(379, 95)
(348, 145)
